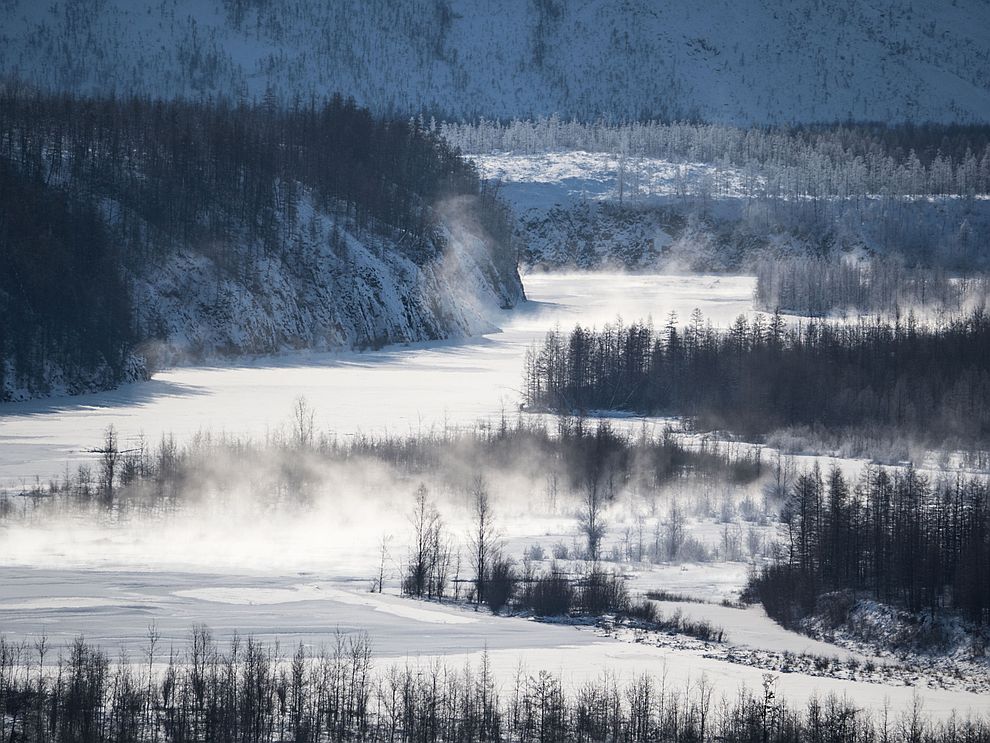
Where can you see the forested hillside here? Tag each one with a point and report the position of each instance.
(760, 62)
(135, 230)
(710, 197)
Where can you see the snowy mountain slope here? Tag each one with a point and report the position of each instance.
(183, 231)
(758, 61)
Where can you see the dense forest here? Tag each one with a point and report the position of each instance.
(927, 381)
(63, 299)
(200, 172)
(816, 287)
(250, 691)
(110, 189)
(773, 62)
(902, 537)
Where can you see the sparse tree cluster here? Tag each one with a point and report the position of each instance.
(428, 571)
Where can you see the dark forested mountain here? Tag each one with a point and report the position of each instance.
(930, 382)
(755, 62)
(64, 306)
(212, 228)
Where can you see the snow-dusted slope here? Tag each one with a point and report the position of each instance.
(754, 61)
(364, 294)
(361, 293)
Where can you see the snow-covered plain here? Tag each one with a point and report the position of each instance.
(273, 580)
(115, 608)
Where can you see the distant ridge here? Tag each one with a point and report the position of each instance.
(753, 62)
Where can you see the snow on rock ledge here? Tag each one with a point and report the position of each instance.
(326, 294)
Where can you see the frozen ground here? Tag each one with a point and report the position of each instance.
(272, 579)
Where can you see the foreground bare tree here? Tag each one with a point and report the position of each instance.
(591, 519)
(483, 537)
(429, 558)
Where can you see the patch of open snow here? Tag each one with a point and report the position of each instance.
(58, 603)
(249, 596)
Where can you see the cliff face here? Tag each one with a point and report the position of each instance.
(334, 289)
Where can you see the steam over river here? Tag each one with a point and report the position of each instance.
(398, 389)
(298, 577)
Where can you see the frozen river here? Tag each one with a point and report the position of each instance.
(397, 389)
(68, 579)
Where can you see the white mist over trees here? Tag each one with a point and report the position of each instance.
(816, 287)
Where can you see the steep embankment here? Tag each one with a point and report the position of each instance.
(334, 290)
(137, 233)
(766, 61)
(700, 210)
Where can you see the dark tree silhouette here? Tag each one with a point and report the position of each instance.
(928, 381)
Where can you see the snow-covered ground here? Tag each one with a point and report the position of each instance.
(301, 577)
(115, 608)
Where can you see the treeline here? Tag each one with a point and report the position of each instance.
(781, 162)
(816, 287)
(901, 537)
(101, 189)
(252, 692)
(927, 381)
(178, 172)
